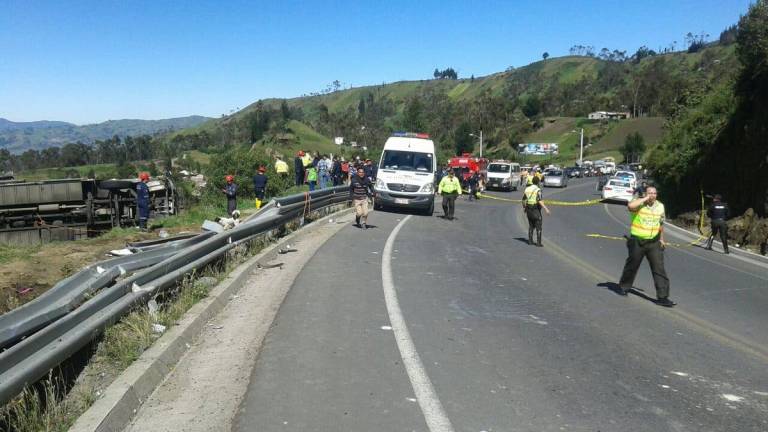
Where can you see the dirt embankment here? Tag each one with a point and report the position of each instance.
(27, 272)
(748, 231)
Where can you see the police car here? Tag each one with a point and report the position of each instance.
(618, 189)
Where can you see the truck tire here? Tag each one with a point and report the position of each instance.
(116, 184)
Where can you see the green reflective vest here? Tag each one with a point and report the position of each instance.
(646, 221)
(449, 185)
(311, 174)
(532, 195)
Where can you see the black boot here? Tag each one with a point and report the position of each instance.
(709, 243)
(357, 221)
(538, 237)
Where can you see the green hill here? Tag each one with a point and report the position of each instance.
(541, 102)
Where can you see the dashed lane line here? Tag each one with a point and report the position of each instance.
(434, 414)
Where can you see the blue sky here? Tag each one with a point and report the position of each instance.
(91, 61)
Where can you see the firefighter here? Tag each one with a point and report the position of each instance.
(718, 212)
(142, 200)
(230, 190)
(532, 206)
(646, 240)
(298, 168)
(260, 185)
(450, 189)
(473, 184)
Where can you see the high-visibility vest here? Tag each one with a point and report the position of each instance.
(311, 174)
(306, 160)
(530, 180)
(532, 195)
(448, 185)
(281, 167)
(646, 221)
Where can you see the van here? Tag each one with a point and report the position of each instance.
(406, 175)
(503, 175)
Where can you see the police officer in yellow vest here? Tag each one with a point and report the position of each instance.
(647, 241)
(532, 206)
(449, 188)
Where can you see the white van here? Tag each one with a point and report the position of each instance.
(406, 175)
(503, 175)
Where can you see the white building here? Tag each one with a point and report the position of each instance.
(608, 115)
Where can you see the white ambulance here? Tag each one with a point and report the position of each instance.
(406, 174)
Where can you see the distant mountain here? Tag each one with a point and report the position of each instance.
(20, 136)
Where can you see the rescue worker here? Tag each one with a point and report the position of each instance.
(532, 206)
(524, 180)
(646, 240)
(230, 190)
(360, 188)
(260, 185)
(306, 159)
(718, 212)
(472, 182)
(281, 168)
(142, 200)
(450, 189)
(298, 167)
(370, 170)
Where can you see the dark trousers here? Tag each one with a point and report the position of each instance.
(719, 226)
(535, 222)
(449, 204)
(259, 193)
(299, 177)
(231, 205)
(651, 249)
(143, 216)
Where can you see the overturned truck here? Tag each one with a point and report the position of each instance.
(34, 212)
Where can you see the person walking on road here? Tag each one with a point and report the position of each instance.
(474, 184)
(360, 188)
(142, 200)
(646, 240)
(532, 205)
(260, 185)
(230, 190)
(718, 212)
(450, 189)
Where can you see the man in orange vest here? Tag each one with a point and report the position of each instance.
(646, 240)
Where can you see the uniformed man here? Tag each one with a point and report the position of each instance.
(718, 212)
(360, 189)
(450, 189)
(230, 190)
(646, 240)
(532, 206)
(260, 185)
(281, 168)
(142, 200)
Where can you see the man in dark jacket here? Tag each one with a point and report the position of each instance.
(142, 200)
(718, 212)
(260, 185)
(298, 168)
(230, 190)
(370, 170)
(359, 191)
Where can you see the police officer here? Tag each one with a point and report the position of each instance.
(646, 240)
(360, 189)
(532, 206)
(718, 212)
(142, 200)
(298, 168)
(260, 185)
(450, 189)
(230, 190)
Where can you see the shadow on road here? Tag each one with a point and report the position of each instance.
(614, 287)
(522, 239)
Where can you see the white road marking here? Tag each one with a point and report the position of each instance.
(434, 414)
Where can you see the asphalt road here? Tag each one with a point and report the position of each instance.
(425, 324)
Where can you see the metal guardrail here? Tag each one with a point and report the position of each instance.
(59, 335)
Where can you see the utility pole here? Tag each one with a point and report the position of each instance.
(481, 143)
(581, 148)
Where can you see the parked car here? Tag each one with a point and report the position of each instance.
(617, 189)
(577, 172)
(555, 178)
(629, 176)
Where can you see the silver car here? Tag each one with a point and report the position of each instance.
(555, 178)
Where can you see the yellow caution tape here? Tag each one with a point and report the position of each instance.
(677, 245)
(547, 202)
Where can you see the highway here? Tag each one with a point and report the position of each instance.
(424, 324)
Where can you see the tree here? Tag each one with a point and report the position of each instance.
(413, 115)
(532, 107)
(463, 142)
(545, 56)
(633, 148)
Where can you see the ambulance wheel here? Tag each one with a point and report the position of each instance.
(430, 210)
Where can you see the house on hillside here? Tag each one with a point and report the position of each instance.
(608, 115)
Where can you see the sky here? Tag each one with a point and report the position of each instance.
(92, 61)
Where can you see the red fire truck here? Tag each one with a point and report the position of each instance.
(466, 163)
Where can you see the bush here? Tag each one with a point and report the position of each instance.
(243, 162)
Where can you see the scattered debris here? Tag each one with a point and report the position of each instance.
(158, 328)
(285, 251)
(207, 281)
(120, 252)
(24, 290)
(733, 398)
(163, 234)
(153, 308)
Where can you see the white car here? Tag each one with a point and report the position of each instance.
(628, 176)
(618, 190)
